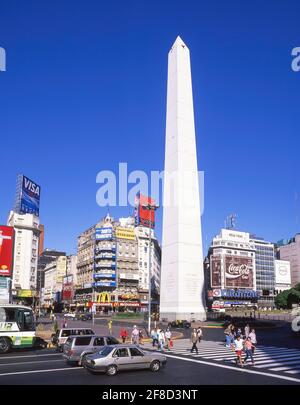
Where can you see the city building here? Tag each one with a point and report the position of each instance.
(230, 271)
(112, 266)
(182, 276)
(265, 271)
(290, 250)
(41, 239)
(55, 271)
(24, 278)
(282, 276)
(46, 257)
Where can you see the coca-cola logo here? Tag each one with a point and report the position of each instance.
(236, 271)
(283, 271)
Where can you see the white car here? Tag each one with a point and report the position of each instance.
(70, 315)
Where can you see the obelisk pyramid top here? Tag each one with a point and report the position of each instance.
(179, 43)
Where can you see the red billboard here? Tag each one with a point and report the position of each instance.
(238, 272)
(143, 215)
(6, 250)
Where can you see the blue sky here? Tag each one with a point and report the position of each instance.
(85, 88)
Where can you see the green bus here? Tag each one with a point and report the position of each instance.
(17, 327)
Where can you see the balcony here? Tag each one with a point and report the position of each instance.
(104, 275)
(105, 266)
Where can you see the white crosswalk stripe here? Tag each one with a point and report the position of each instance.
(278, 359)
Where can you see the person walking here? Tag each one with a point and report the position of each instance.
(109, 324)
(238, 346)
(247, 331)
(141, 337)
(228, 335)
(252, 336)
(168, 336)
(161, 339)
(124, 334)
(194, 340)
(249, 350)
(199, 334)
(154, 337)
(135, 335)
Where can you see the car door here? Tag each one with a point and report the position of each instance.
(122, 358)
(137, 359)
(98, 343)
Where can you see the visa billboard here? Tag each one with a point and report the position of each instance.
(6, 250)
(28, 197)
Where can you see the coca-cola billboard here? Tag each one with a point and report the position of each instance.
(215, 271)
(239, 272)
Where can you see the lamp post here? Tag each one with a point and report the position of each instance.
(151, 208)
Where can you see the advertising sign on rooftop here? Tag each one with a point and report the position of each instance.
(28, 196)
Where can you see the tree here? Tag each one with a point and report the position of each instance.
(288, 297)
(281, 300)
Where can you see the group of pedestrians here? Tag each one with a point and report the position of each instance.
(241, 343)
(162, 338)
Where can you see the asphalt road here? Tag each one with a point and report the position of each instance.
(48, 367)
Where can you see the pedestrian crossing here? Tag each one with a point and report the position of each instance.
(276, 359)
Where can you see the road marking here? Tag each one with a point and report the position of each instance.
(29, 362)
(282, 377)
(42, 371)
(33, 355)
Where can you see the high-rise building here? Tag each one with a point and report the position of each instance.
(46, 257)
(55, 271)
(265, 271)
(290, 250)
(182, 277)
(230, 271)
(41, 239)
(26, 242)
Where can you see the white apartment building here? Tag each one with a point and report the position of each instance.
(142, 235)
(26, 228)
(55, 271)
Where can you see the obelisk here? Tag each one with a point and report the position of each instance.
(182, 276)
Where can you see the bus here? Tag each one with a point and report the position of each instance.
(17, 327)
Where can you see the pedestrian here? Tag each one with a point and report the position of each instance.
(154, 337)
(194, 340)
(252, 336)
(123, 335)
(109, 324)
(199, 334)
(161, 339)
(228, 335)
(135, 335)
(65, 324)
(247, 330)
(168, 336)
(141, 337)
(238, 346)
(249, 350)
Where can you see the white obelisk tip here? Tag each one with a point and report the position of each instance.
(179, 43)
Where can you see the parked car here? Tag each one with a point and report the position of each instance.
(71, 315)
(87, 316)
(112, 359)
(61, 335)
(76, 347)
(180, 324)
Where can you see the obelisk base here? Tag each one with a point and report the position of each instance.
(183, 316)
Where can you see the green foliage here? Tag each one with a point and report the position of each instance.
(289, 297)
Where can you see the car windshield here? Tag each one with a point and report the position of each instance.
(105, 351)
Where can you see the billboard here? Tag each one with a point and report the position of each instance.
(282, 272)
(125, 233)
(215, 271)
(143, 216)
(4, 290)
(103, 233)
(6, 250)
(28, 196)
(239, 272)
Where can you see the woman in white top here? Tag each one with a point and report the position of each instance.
(252, 336)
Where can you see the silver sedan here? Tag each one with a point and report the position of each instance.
(112, 359)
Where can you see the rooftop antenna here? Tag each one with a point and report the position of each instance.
(230, 221)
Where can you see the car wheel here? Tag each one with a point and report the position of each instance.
(5, 345)
(155, 366)
(111, 370)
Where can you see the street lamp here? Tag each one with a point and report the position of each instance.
(151, 208)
